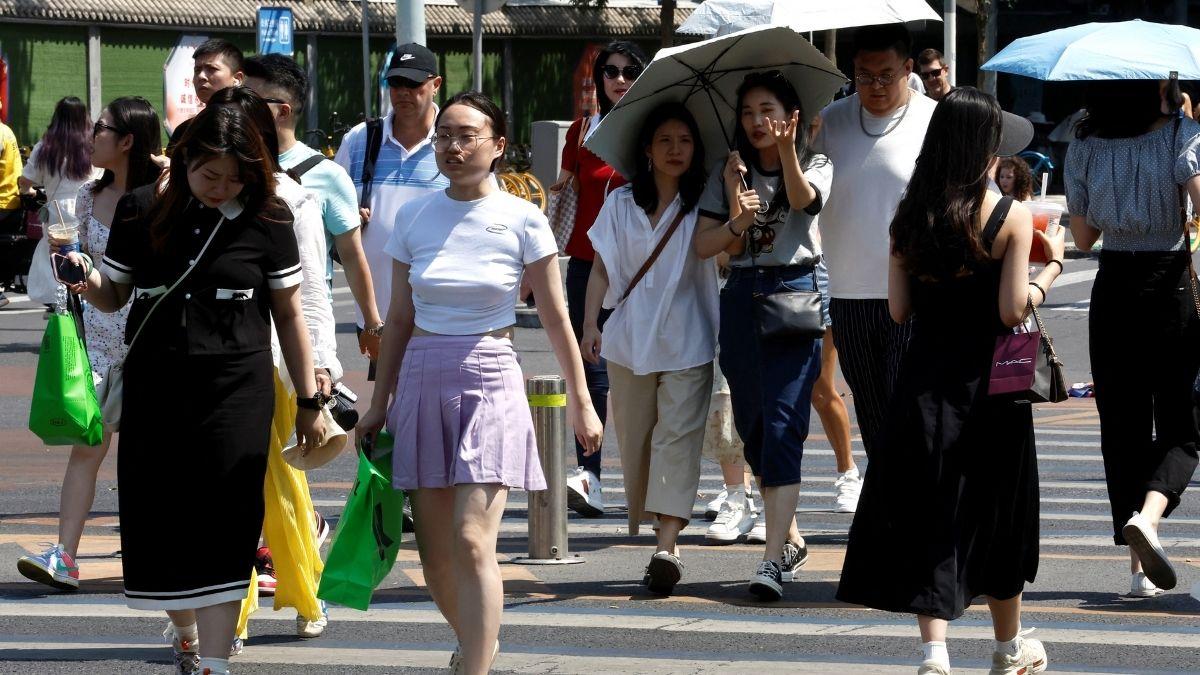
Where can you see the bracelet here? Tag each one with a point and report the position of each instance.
(90, 265)
(375, 331)
(1061, 269)
(729, 224)
(1039, 287)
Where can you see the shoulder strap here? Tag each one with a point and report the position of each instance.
(175, 285)
(584, 124)
(662, 243)
(995, 221)
(374, 144)
(303, 167)
(1185, 218)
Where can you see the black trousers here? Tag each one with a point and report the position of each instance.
(870, 347)
(1143, 334)
(578, 271)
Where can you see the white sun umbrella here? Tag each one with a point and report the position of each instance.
(705, 76)
(719, 17)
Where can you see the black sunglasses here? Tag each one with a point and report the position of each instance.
(629, 72)
(930, 74)
(404, 83)
(101, 126)
(274, 100)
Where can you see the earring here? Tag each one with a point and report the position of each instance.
(649, 164)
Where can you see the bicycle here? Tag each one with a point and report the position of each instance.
(325, 141)
(516, 179)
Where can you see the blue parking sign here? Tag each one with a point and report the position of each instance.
(275, 31)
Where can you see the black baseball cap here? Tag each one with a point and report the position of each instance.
(1016, 133)
(412, 62)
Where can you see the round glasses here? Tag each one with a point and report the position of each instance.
(467, 142)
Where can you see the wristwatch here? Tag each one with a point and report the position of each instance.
(315, 402)
(375, 331)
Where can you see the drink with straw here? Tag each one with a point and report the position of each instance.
(63, 230)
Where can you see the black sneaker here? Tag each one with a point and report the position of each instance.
(767, 582)
(794, 557)
(663, 572)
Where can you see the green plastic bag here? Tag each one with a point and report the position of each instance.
(65, 410)
(368, 534)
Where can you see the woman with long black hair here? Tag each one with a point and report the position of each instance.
(125, 136)
(759, 206)
(955, 486)
(614, 71)
(1128, 174)
(209, 263)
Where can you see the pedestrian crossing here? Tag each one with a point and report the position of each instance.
(595, 617)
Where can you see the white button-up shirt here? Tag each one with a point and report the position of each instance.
(670, 320)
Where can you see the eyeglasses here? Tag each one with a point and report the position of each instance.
(468, 142)
(274, 100)
(630, 73)
(101, 126)
(397, 82)
(931, 74)
(866, 80)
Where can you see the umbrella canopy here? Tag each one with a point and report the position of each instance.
(1126, 50)
(720, 17)
(705, 76)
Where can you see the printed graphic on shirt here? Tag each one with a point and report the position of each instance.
(762, 232)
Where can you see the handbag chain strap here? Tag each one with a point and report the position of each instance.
(175, 285)
(1047, 341)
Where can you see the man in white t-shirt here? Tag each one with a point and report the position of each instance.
(873, 137)
(404, 167)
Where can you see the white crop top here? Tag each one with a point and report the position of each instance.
(467, 258)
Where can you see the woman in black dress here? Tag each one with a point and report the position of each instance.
(955, 488)
(198, 385)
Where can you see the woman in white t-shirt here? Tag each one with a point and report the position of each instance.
(61, 162)
(661, 338)
(449, 385)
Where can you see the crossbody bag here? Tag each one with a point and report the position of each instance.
(114, 379)
(658, 249)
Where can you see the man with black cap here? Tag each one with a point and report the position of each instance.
(391, 161)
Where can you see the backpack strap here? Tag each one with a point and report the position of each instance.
(303, 167)
(374, 144)
(995, 221)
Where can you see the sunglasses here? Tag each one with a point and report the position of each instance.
(630, 73)
(274, 100)
(404, 83)
(931, 74)
(101, 126)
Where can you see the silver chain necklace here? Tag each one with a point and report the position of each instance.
(891, 126)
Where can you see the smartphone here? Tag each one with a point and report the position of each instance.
(66, 271)
(366, 443)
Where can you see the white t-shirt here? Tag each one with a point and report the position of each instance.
(669, 322)
(467, 258)
(872, 175)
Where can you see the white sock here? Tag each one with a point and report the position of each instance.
(215, 666)
(936, 651)
(188, 633)
(1010, 647)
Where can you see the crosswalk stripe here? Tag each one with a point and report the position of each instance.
(1182, 637)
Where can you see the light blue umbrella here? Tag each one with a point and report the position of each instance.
(1127, 50)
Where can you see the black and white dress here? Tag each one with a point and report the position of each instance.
(199, 396)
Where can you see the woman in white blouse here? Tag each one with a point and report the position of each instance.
(661, 339)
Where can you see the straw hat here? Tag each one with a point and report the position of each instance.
(330, 446)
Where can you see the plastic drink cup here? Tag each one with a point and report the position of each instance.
(63, 228)
(1046, 217)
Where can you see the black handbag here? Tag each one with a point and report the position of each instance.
(341, 406)
(790, 314)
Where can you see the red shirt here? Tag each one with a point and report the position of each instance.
(596, 180)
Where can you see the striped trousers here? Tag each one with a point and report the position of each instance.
(870, 348)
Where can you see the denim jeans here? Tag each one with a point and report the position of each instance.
(578, 271)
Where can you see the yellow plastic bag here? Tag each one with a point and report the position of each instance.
(288, 524)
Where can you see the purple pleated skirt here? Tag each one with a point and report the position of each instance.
(460, 416)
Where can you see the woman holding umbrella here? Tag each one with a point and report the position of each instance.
(1128, 174)
(759, 206)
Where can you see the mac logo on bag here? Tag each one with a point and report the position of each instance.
(1014, 362)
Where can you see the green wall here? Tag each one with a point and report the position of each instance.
(45, 63)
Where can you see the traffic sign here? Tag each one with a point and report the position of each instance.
(275, 31)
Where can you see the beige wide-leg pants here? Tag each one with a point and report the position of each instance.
(660, 420)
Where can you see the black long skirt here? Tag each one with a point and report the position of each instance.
(190, 468)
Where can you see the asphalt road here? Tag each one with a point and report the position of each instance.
(594, 617)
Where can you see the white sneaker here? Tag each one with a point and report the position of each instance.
(932, 667)
(583, 493)
(1030, 658)
(848, 486)
(312, 629)
(758, 533)
(734, 520)
(1143, 541)
(1141, 587)
(714, 507)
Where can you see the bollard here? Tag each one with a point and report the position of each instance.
(548, 508)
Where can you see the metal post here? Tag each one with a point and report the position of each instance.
(548, 508)
(95, 103)
(410, 21)
(366, 59)
(311, 118)
(477, 47)
(950, 38)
